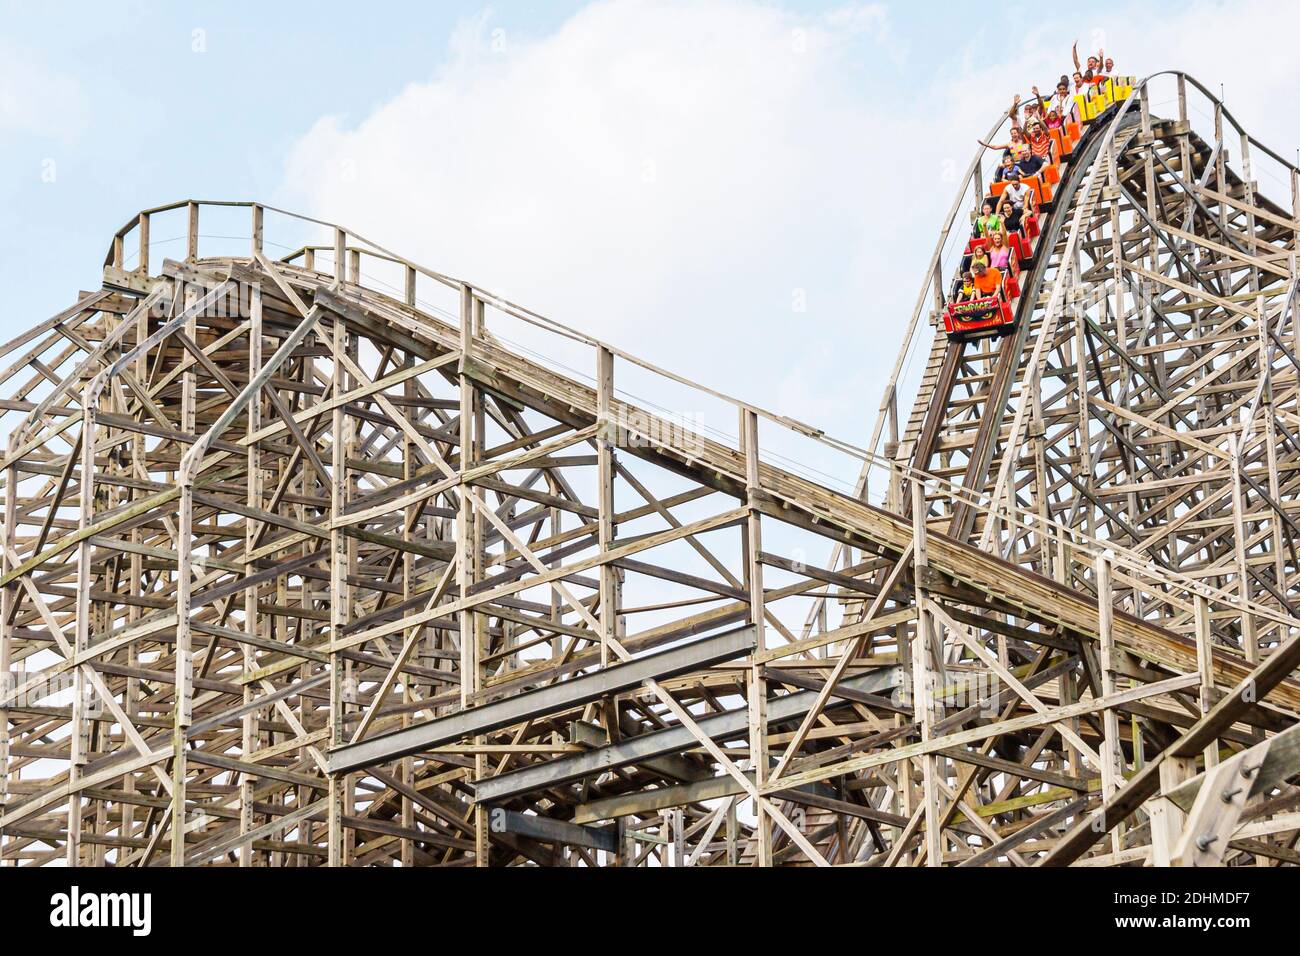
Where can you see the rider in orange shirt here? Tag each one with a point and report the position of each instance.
(987, 279)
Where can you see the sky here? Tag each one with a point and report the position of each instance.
(744, 192)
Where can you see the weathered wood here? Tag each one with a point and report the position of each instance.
(317, 560)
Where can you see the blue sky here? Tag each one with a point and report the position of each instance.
(770, 181)
(158, 121)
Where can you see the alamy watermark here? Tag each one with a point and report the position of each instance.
(635, 428)
(954, 691)
(55, 690)
(75, 909)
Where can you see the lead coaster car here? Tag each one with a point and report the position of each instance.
(978, 318)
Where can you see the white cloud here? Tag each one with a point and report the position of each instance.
(677, 177)
(37, 100)
(669, 176)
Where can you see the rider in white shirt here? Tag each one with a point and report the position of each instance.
(1062, 100)
(1021, 196)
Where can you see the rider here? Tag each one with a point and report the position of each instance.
(990, 222)
(1093, 73)
(1021, 196)
(965, 290)
(1062, 100)
(1033, 110)
(987, 279)
(1007, 171)
(1011, 213)
(1040, 144)
(1021, 152)
(1001, 255)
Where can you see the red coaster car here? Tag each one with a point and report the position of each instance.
(979, 317)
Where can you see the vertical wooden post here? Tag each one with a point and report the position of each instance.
(184, 653)
(347, 480)
(677, 824)
(137, 588)
(258, 217)
(923, 689)
(1167, 818)
(557, 607)
(1082, 377)
(9, 535)
(249, 723)
(1249, 637)
(1205, 667)
(340, 568)
(469, 540)
(1185, 148)
(757, 684)
(733, 835)
(142, 266)
(605, 498)
(1269, 415)
(1117, 268)
(1295, 204)
(1248, 198)
(893, 493)
(410, 517)
(1295, 212)
(1149, 169)
(1293, 275)
(619, 858)
(627, 844)
(192, 231)
(1220, 163)
(1112, 757)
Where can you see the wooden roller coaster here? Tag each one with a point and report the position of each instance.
(316, 556)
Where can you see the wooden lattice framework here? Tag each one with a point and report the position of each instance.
(315, 560)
